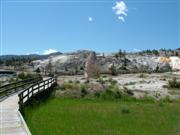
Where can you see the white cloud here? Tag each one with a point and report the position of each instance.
(90, 19)
(120, 9)
(49, 51)
(121, 18)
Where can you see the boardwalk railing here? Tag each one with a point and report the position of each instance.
(14, 87)
(35, 89)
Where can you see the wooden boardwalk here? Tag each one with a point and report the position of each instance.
(11, 121)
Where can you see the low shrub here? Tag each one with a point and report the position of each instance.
(101, 80)
(173, 83)
(83, 92)
(70, 81)
(108, 95)
(130, 83)
(104, 76)
(125, 110)
(111, 93)
(87, 81)
(97, 94)
(77, 81)
(142, 76)
(161, 104)
(24, 76)
(38, 70)
(61, 87)
(113, 70)
(69, 85)
(129, 92)
(167, 99)
(112, 82)
(163, 79)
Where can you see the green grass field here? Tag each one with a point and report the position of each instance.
(92, 117)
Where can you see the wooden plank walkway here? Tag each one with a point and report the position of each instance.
(11, 121)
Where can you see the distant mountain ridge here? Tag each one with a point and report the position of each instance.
(31, 56)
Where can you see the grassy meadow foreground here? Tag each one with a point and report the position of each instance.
(67, 116)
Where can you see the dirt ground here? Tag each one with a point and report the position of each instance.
(149, 84)
(140, 84)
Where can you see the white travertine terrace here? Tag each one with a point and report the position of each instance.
(175, 63)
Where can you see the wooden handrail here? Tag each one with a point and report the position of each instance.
(13, 87)
(35, 89)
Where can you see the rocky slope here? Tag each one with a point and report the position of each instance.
(74, 63)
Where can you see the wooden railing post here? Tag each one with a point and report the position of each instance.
(15, 87)
(44, 85)
(48, 83)
(20, 100)
(28, 93)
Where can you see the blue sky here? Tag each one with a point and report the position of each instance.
(68, 25)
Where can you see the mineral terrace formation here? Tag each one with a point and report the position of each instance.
(91, 67)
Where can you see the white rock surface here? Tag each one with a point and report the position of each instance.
(175, 63)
